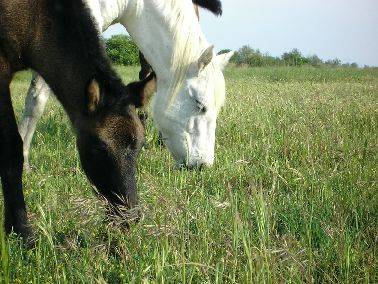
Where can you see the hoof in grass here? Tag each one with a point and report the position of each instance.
(27, 168)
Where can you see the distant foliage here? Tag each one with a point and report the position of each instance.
(224, 51)
(294, 58)
(333, 62)
(248, 56)
(122, 50)
(254, 57)
(315, 61)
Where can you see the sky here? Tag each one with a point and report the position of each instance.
(344, 29)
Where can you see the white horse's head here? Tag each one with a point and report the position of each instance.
(187, 121)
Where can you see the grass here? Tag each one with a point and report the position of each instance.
(292, 197)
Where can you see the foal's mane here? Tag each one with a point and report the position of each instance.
(78, 35)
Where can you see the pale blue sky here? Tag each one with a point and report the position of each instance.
(347, 29)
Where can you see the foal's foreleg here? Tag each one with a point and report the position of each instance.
(11, 163)
(35, 104)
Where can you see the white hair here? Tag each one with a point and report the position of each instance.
(186, 49)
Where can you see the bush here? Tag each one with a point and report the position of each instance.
(294, 58)
(333, 62)
(224, 51)
(255, 58)
(122, 50)
(315, 61)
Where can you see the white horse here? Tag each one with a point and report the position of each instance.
(190, 83)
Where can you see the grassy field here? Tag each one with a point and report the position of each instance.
(292, 197)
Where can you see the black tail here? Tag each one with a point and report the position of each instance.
(215, 6)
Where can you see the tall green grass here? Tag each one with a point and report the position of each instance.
(292, 196)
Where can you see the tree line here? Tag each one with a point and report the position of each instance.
(123, 51)
(248, 56)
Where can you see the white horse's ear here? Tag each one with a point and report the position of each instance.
(206, 57)
(224, 59)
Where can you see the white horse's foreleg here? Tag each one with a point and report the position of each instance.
(35, 103)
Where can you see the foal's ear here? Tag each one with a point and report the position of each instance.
(142, 91)
(93, 96)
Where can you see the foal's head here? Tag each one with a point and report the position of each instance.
(110, 138)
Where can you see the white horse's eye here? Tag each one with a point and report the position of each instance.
(201, 107)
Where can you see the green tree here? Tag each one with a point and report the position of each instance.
(248, 56)
(315, 61)
(354, 65)
(243, 54)
(224, 51)
(333, 62)
(122, 50)
(294, 58)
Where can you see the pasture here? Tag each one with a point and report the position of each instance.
(292, 196)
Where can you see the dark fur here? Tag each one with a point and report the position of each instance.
(58, 39)
(214, 6)
(145, 67)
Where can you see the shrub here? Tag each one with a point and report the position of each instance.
(294, 58)
(333, 62)
(224, 51)
(315, 61)
(122, 50)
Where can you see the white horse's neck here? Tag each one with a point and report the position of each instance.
(166, 31)
(106, 12)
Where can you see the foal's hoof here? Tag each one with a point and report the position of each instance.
(27, 237)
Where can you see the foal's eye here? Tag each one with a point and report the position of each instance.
(99, 147)
(201, 107)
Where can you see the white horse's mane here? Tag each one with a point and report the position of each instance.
(183, 23)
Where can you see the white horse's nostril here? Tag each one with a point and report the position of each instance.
(198, 165)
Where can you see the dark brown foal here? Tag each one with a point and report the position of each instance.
(58, 39)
